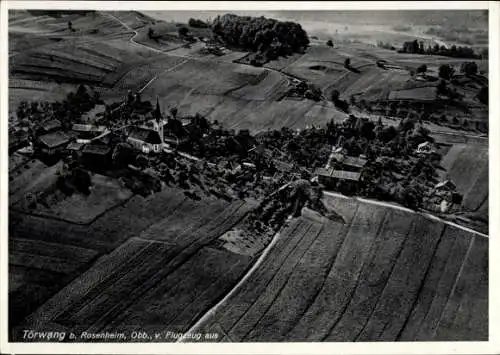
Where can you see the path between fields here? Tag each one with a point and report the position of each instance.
(205, 317)
(221, 303)
(288, 77)
(132, 40)
(405, 209)
(160, 74)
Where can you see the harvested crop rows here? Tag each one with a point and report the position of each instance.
(39, 269)
(467, 166)
(383, 275)
(153, 275)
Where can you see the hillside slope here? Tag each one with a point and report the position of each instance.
(385, 275)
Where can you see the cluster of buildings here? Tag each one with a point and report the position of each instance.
(95, 143)
(341, 169)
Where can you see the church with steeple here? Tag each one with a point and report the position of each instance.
(158, 122)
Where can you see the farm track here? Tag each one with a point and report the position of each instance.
(405, 209)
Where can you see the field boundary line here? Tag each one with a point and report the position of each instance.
(250, 272)
(280, 292)
(161, 73)
(379, 296)
(426, 215)
(423, 282)
(258, 298)
(466, 257)
(369, 257)
(343, 232)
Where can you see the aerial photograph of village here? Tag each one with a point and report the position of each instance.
(248, 176)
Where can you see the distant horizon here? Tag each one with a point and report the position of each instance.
(475, 18)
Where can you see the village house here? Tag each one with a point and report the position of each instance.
(49, 126)
(96, 155)
(347, 163)
(84, 133)
(52, 143)
(145, 140)
(346, 181)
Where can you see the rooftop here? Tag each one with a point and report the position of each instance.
(54, 139)
(345, 175)
(354, 161)
(96, 149)
(338, 174)
(51, 124)
(145, 135)
(75, 146)
(348, 160)
(87, 128)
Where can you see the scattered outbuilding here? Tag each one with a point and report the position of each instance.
(425, 148)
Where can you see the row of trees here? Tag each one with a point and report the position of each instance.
(417, 47)
(260, 34)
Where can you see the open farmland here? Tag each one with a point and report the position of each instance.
(39, 269)
(246, 99)
(147, 215)
(467, 166)
(105, 194)
(341, 282)
(160, 258)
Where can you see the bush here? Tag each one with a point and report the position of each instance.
(446, 71)
(422, 68)
(329, 43)
(183, 31)
(468, 68)
(482, 95)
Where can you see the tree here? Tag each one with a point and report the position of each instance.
(422, 68)
(123, 154)
(329, 43)
(446, 71)
(197, 23)
(81, 180)
(174, 111)
(468, 68)
(141, 161)
(441, 88)
(151, 33)
(482, 95)
(70, 26)
(183, 31)
(347, 63)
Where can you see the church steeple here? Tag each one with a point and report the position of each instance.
(157, 113)
(158, 118)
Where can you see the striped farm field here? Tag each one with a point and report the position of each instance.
(467, 166)
(383, 275)
(38, 269)
(148, 280)
(205, 77)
